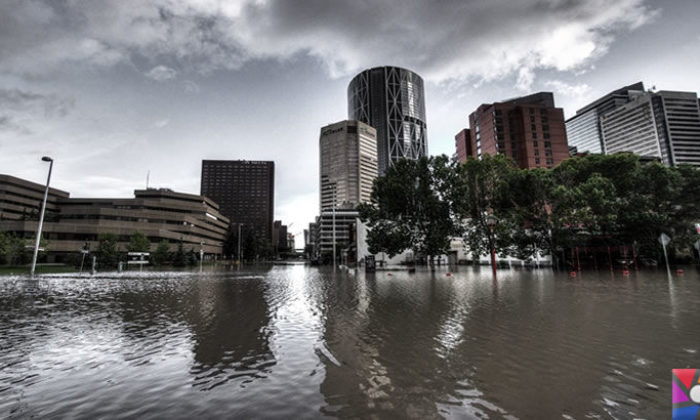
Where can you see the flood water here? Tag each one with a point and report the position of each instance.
(300, 342)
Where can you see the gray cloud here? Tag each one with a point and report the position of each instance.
(161, 73)
(20, 107)
(447, 40)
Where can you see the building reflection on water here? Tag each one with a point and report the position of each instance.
(227, 323)
(300, 342)
(431, 346)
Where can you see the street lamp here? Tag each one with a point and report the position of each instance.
(492, 221)
(41, 216)
(334, 191)
(238, 256)
(201, 255)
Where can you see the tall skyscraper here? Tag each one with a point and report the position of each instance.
(392, 100)
(348, 167)
(584, 130)
(664, 125)
(348, 164)
(530, 130)
(244, 190)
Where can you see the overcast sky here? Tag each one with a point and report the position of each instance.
(113, 89)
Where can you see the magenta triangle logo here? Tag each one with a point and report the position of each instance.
(685, 393)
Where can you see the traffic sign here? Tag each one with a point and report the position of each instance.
(664, 239)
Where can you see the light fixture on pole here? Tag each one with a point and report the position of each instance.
(334, 198)
(201, 255)
(41, 216)
(492, 221)
(238, 255)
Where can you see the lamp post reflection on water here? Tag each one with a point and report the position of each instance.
(492, 221)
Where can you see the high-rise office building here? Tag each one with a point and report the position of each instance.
(530, 130)
(584, 130)
(662, 124)
(348, 164)
(463, 143)
(244, 190)
(392, 100)
(348, 167)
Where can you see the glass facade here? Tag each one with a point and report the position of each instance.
(392, 100)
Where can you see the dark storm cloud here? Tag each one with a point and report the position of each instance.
(446, 40)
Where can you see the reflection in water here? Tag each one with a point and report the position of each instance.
(297, 342)
(231, 334)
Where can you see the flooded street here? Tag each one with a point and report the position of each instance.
(302, 342)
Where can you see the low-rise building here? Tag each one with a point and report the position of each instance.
(70, 223)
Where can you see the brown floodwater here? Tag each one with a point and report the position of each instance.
(301, 342)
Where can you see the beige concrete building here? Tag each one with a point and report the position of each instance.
(348, 168)
(348, 164)
(71, 222)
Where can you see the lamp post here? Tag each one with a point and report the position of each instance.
(492, 221)
(201, 255)
(238, 255)
(41, 216)
(333, 217)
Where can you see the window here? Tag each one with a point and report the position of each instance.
(548, 144)
(537, 161)
(535, 144)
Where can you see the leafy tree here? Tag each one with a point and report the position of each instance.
(162, 253)
(484, 191)
(411, 208)
(191, 258)
(107, 254)
(138, 243)
(4, 247)
(179, 258)
(528, 193)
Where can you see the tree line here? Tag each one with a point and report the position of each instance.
(17, 251)
(592, 202)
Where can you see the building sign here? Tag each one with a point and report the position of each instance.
(138, 258)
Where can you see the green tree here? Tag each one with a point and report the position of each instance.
(4, 247)
(192, 257)
(411, 208)
(162, 253)
(107, 254)
(138, 243)
(528, 206)
(484, 188)
(180, 258)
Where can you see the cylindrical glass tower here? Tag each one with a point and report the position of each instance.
(391, 100)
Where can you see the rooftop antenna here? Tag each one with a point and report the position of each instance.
(148, 175)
